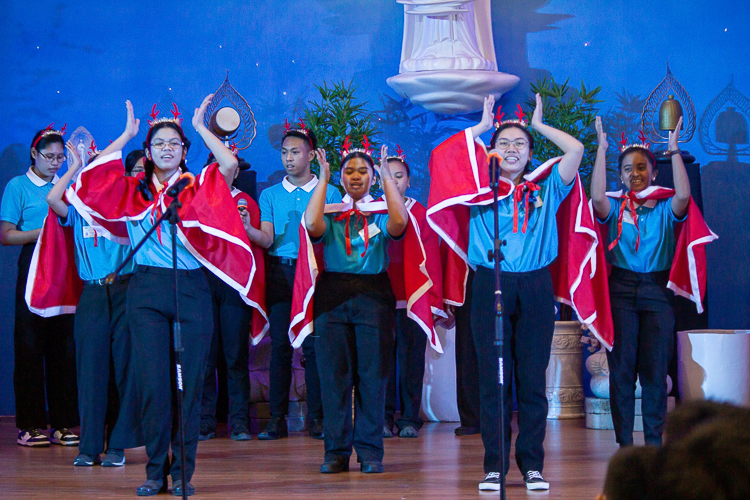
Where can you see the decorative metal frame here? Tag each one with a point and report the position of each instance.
(650, 114)
(729, 94)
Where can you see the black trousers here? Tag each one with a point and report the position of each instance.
(643, 317)
(45, 355)
(231, 337)
(408, 354)
(150, 314)
(528, 326)
(353, 321)
(103, 360)
(467, 368)
(279, 287)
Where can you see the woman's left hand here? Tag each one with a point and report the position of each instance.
(536, 118)
(200, 112)
(74, 161)
(674, 136)
(383, 170)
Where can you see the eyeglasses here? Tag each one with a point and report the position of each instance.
(51, 158)
(162, 144)
(505, 143)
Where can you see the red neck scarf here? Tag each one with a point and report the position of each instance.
(354, 211)
(156, 209)
(521, 194)
(628, 200)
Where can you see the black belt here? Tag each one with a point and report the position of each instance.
(283, 260)
(103, 281)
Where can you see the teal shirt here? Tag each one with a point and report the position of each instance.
(283, 205)
(95, 256)
(156, 254)
(535, 249)
(656, 222)
(375, 260)
(24, 201)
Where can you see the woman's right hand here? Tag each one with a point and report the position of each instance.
(487, 117)
(601, 136)
(325, 168)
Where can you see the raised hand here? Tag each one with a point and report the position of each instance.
(674, 136)
(200, 112)
(132, 123)
(601, 136)
(536, 118)
(325, 167)
(383, 169)
(74, 161)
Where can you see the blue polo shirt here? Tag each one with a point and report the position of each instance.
(156, 254)
(656, 222)
(283, 205)
(524, 252)
(95, 256)
(375, 260)
(24, 201)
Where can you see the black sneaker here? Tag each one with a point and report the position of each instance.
(83, 460)
(315, 428)
(113, 457)
(32, 438)
(63, 437)
(387, 432)
(275, 429)
(491, 482)
(240, 433)
(206, 433)
(408, 432)
(535, 481)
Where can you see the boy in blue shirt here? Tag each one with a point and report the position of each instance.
(281, 208)
(44, 347)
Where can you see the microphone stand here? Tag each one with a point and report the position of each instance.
(171, 214)
(497, 256)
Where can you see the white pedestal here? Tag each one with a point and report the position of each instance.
(714, 364)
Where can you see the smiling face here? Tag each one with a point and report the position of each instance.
(636, 171)
(512, 144)
(168, 158)
(400, 175)
(357, 178)
(296, 155)
(48, 160)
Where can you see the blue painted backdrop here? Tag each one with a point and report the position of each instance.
(77, 62)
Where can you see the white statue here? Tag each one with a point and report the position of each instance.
(448, 62)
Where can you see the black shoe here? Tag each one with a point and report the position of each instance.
(338, 464)
(409, 432)
(387, 432)
(240, 433)
(466, 430)
(535, 481)
(276, 429)
(151, 487)
(491, 482)
(371, 467)
(177, 488)
(315, 428)
(206, 434)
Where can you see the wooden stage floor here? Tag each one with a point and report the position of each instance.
(436, 465)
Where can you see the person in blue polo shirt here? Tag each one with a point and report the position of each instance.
(44, 347)
(641, 242)
(354, 308)
(102, 338)
(281, 208)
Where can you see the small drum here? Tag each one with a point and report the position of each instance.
(224, 122)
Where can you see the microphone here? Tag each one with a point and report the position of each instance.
(184, 182)
(242, 204)
(495, 160)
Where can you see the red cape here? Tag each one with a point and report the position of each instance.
(579, 272)
(209, 227)
(416, 281)
(687, 276)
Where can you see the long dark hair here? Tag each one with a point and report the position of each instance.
(148, 164)
(44, 142)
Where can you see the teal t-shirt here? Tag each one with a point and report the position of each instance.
(156, 254)
(95, 256)
(524, 252)
(656, 223)
(24, 201)
(375, 260)
(283, 205)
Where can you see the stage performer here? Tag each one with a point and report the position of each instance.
(44, 348)
(353, 306)
(461, 211)
(656, 240)
(281, 209)
(209, 234)
(410, 338)
(230, 339)
(102, 336)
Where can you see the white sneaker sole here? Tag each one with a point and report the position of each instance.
(40, 444)
(64, 443)
(489, 487)
(537, 486)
